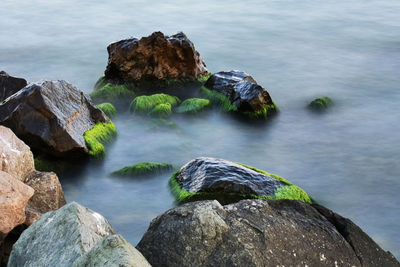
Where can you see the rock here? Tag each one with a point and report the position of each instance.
(14, 196)
(156, 57)
(15, 156)
(226, 181)
(51, 116)
(111, 251)
(9, 85)
(60, 237)
(253, 233)
(321, 104)
(242, 91)
(48, 196)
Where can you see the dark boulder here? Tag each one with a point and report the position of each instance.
(9, 85)
(256, 233)
(51, 116)
(156, 57)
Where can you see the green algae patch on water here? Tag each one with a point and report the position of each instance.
(218, 100)
(108, 109)
(99, 135)
(145, 103)
(193, 105)
(320, 104)
(112, 93)
(143, 169)
(161, 111)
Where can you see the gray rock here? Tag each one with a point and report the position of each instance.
(254, 233)
(112, 251)
(58, 238)
(51, 116)
(9, 85)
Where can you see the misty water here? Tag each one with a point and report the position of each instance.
(347, 159)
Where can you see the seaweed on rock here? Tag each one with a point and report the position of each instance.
(143, 168)
(321, 103)
(112, 93)
(193, 105)
(108, 109)
(264, 113)
(218, 99)
(96, 137)
(161, 111)
(145, 103)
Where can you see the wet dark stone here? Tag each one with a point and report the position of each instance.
(9, 85)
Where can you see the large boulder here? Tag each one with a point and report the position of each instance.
(9, 85)
(48, 195)
(14, 196)
(156, 57)
(257, 233)
(15, 156)
(112, 251)
(60, 237)
(242, 91)
(51, 116)
(226, 181)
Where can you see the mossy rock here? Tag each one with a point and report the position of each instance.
(161, 111)
(264, 113)
(218, 100)
(193, 105)
(50, 165)
(146, 103)
(112, 93)
(99, 135)
(101, 82)
(108, 109)
(142, 169)
(320, 104)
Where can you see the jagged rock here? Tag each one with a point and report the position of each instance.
(58, 238)
(9, 85)
(112, 251)
(156, 57)
(14, 196)
(48, 195)
(15, 156)
(241, 89)
(51, 116)
(255, 233)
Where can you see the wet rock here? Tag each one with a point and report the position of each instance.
(15, 156)
(241, 90)
(9, 85)
(60, 237)
(155, 57)
(51, 116)
(48, 195)
(111, 251)
(321, 103)
(14, 196)
(251, 233)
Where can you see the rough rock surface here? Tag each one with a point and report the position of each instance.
(14, 196)
(51, 116)
(206, 174)
(156, 57)
(15, 156)
(48, 195)
(241, 89)
(9, 85)
(112, 251)
(255, 233)
(58, 238)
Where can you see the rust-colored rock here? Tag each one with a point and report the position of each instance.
(48, 196)
(14, 196)
(9, 85)
(15, 156)
(156, 57)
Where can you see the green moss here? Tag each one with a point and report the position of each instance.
(264, 113)
(101, 82)
(218, 99)
(288, 191)
(204, 78)
(112, 93)
(321, 103)
(145, 103)
(193, 105)
(47, 165)
(100, 134)
(161, 111)
(143, 168)
(108, 109)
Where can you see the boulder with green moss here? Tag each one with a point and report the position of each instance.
(100, 134)
(108, 109)
(146, 103)
(321, 103)
(143, 168)
(238, 91)
(193, 105)
(228, 182)
(114, 93)
(161, 111)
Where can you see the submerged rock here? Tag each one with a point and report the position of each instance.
(256, 233)
(16, 157)
(320, 104)
(112, 251)
(51, 116)
(60, 237)
(142, 169)
(9, 85)
(243, 92)
(226, 181)
(155, 57)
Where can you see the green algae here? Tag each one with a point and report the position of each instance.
(145, 103)
(108, 109)
(264, 113)
(112, 93)
(204, 78)
(101, 82)
(161, 111)
(143, 168)
(50, 165)
(218, 100)
(321, 103)
(99, 135)
(193, 105)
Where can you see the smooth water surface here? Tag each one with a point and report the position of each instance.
(346, 159)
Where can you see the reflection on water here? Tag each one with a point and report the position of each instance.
(347, 159)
